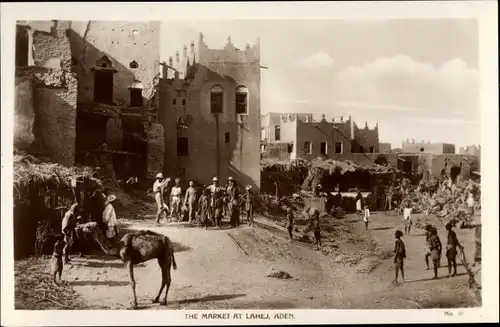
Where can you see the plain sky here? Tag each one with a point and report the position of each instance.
(418, 79)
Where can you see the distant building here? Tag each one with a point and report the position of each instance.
(210, 111)
(309, 139)
(427, 147)
(471, 149)
(384, 147)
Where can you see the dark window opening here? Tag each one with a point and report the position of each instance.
(421, 149)
(183, 93)
(323, 148)
(372, 149)
(216, 100)
(241, 103)
(174, 102)
(226, 137)
(74, 61)
(183, 102)
(339, 147)
(135, 97)
(134, 65)
(22, 47)
(290, 147)
(277, 133)
(178, 93)
(307, 147)
(103, 87)
(103, 65)
(361, 149)
(182, 147)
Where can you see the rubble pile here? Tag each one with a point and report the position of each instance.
(449, 204)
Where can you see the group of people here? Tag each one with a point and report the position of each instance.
(206, 206)
(96, 206)
(433, 250)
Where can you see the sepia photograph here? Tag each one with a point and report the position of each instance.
(210, 166)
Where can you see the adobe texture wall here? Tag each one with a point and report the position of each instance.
(431, 148)
(54, 92)
(122, 42)
(155, 148)
(24, 114)
(210, 153)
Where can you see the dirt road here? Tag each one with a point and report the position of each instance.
(215, 273)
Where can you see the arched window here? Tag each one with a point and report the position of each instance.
(216, 99)
(136, 94)
(241, 100)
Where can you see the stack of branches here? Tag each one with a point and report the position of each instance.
(323, 169)
(42, 192)
(283, 176)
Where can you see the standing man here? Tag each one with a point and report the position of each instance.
(436, 250)
(249, 204)
(158, 189)
(233, 203)
(451, 250)
(190, 201)
(216, 202)
(68, 229)
(175, 195)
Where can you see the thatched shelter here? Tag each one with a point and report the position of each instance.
(42, 193)
(280, 177)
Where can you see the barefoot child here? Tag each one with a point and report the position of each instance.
(407, 217)
(451, 250)
(57, 260)
(400, 255)
(436, 250)
(366, 218)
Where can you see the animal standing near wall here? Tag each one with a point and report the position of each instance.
(134, 248)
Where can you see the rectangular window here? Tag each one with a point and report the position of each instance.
(277, 133)
(135, 97)
(307, 147)
(421, 149)
(323, 148)
(182, 147)
(339, 147)
(216, 101)
(103, 87)
(178, 93)
(241, 103)
(290, 147)
(226, 137)
(262, 148)
(361, 149)
(371, 149)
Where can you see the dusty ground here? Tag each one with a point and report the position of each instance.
(215, 273)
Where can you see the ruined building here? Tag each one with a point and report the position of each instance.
(210, 111)
(87, 86)
(308, 139)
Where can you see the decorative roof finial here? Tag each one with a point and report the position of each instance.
(323, 117)
(229, 40)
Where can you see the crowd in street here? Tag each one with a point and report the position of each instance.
(202, 205)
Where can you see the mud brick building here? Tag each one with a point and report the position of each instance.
(309, 139)
(427, 147)
(210, 110)
(81, 84)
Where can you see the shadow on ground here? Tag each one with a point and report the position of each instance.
(98, 283)
(210, 298)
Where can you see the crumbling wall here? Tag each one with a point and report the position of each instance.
(24, 114)
(155, 148)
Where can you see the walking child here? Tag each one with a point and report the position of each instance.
(57, 260)
(68, 229)
(289, 225)
(204, 209)
(366, 218)
(427, 245)
(399, 256)
(407, 217)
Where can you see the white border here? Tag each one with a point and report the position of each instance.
(485, 11)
